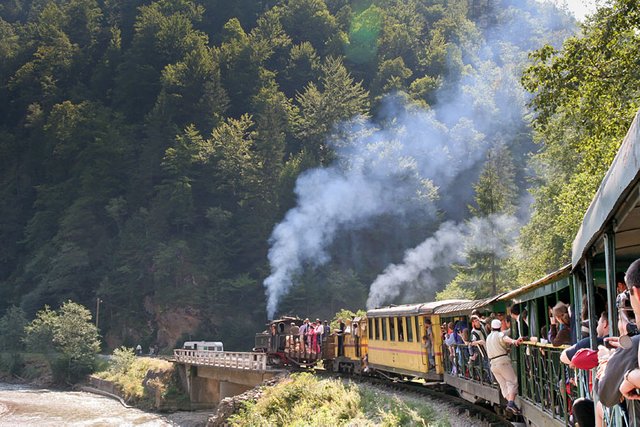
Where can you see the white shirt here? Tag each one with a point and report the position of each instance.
(496, 344)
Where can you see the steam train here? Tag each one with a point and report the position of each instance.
(388, 341)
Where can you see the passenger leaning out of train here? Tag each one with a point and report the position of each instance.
(497, 349)
(620, 377)
(560, 330)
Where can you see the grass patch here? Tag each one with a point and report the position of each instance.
(304, 400)
(130, 378)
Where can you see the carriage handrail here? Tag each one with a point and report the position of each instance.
(546, 382)
(223, 359)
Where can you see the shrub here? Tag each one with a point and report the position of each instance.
(304, 400)
(122, 360)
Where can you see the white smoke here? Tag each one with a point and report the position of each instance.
(381, 171)
(414, 161)
(449, 245)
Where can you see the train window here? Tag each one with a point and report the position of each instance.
(377, 329)
(417, 327)
(384, 328)
(400, 329)
(392, 329)
(370, 322)
(409, 329)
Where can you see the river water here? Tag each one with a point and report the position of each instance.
(25, 406)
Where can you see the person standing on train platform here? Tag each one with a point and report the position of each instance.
(355, 331)
(319, 334)
(340, 333)
(326, 331)
(478, 345)
(295, 332)
(428, 334)
(621, 377)
(302, 333)
(497, 350)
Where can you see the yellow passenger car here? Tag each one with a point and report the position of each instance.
(396, 344)
(355, 346)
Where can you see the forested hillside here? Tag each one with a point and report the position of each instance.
(148, 148)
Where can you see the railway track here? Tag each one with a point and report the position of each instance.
(435, 391)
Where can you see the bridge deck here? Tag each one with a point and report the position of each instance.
(222, 359)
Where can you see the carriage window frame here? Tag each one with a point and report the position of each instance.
(401, 333)
(370, 325)
(376, 323)
(409, 329)
(392, 329)
(384, 328)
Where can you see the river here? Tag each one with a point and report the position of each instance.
(22, 405)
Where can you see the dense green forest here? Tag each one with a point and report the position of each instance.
(149, 148)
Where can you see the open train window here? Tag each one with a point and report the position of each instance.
(377, 323)
(409, 329)
(392, 329)
(400, 329)
(384, 328)
(370, 322)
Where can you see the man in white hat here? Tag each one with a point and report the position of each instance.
(497, 349)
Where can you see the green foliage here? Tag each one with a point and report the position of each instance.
(305, 400)
(12, 363)
(147, 149)
(122, 359)
(69, 332)
(12, 329)
(129, 374)
(583, 109)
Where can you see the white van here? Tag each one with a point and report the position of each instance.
(203, 345)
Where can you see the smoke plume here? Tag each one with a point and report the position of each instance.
(449, 245)
(416, 163)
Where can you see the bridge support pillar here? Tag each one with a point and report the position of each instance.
(228, 389)
(204, 392)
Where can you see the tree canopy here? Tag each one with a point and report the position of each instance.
(148, 149)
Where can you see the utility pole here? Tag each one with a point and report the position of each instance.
(98, 301)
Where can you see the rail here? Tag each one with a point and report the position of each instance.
(546, 382)
(222, 359)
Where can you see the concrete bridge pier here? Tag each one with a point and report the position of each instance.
(208, 379)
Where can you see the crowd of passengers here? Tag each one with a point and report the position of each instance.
(480, 351)
(310, 338)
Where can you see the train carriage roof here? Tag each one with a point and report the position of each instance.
(466, 307)
(410, 309)
(548, 284)
(617, 198)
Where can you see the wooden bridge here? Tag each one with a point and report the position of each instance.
(210, 376)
